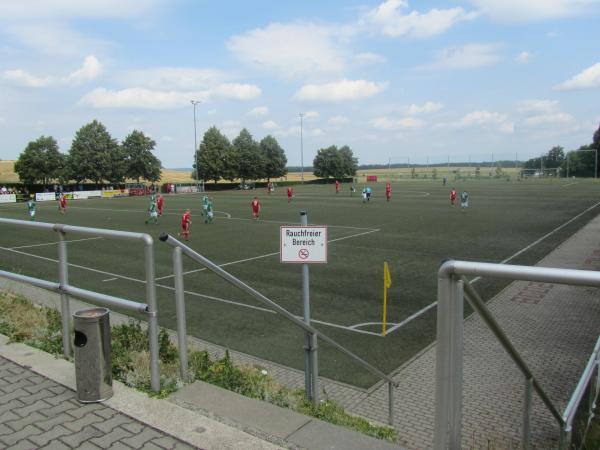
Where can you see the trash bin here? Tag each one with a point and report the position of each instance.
(93, 376)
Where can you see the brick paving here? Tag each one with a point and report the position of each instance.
(37, 413)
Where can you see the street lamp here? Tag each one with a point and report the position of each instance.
(301, 152)
(195, 102)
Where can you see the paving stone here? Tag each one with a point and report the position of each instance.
(108, 425)
(50, 435)
(78, 424)
(141, 437)
(110, 438)
(76, 439)
(23, 445)
(27, 432)
(56, 445)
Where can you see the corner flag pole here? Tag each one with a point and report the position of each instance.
(387, 282)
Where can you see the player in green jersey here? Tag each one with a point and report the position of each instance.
(208, 217)
(152, 213)
(31, 208)
(205, 202)
(464, 200)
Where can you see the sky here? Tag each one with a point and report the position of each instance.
(398, 81)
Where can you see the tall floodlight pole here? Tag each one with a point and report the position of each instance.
(301, 151)
(195, 102)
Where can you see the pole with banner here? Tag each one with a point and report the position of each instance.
(306, 245)
(387, 283)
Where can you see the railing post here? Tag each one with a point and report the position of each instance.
(456, 364)
(391, 391)
(564, 441)
(152, 313)
(180, 312)
(314, 365)
(442, 363)
(527, 402)
(65, 307)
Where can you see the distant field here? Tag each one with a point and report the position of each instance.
(7, 172)
(413, 233)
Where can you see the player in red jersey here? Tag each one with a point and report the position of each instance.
(290, 193)
(255, 208)
(160, 202)
(62, 203)
(337, 186)
(186, 221)
(388, 191)
(453, 197)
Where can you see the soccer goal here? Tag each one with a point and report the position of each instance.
(541, 173)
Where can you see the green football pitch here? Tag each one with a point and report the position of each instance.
(512, 222)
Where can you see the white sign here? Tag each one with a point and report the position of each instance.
(8, 198)
(303, 244)
(45, 196)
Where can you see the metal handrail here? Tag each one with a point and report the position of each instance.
(449, 359)
(479, 305)
(165, 237)
(584, 382)
(65, 289)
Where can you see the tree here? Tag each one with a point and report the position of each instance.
(141, 162)
(93, 154)
(331, 162)
(214, 156)
(555, 157)
(274, 158)
(251, 164)
(40, 161)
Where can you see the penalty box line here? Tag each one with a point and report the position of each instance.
(504, 261)
(196, 294)
(262, 256)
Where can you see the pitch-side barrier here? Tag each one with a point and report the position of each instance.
(180, 248)
(452, 287)
(66, 290)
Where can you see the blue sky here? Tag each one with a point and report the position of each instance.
(395, 80)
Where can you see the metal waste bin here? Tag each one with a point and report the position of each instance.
(93, 374)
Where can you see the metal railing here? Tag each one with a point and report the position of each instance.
(590, 383)
(452, 285)
(180, 248)
(66, 290)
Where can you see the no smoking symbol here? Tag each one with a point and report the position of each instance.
(303, 253)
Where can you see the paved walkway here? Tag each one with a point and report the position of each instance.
(37, 413)
(554, 327)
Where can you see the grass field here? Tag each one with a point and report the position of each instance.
(413, 232)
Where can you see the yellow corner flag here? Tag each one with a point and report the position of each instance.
(387, 283)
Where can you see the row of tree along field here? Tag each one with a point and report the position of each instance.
(95, 156)
(246, 159)
(583, 162)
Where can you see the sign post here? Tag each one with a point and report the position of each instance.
(306, 245)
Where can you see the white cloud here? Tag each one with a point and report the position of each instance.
(532, 10)
(465, 57)
(338, 120)
(483, 119)
(270, 125)
(23, 78)
(385, 123)
(549, 119)
(588, 79)
(88, 71)
(311, 114)
(143, 98)
(166, 138)
(368, 58)
(339, 91)
(289, 49)
(544, 106)
(43, 9)
(523, 57)
(173, 78)
(91, 69)
(390, 19)
(426, 108)
(258, 111)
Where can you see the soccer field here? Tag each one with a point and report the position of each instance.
(514, 222)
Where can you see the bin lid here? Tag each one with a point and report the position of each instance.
(91, 313)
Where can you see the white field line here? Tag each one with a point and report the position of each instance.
(110, 279)
(55, 242)
(228, 217)
(259, 257)
(476, 279)
(570, 184)
(196, 294)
